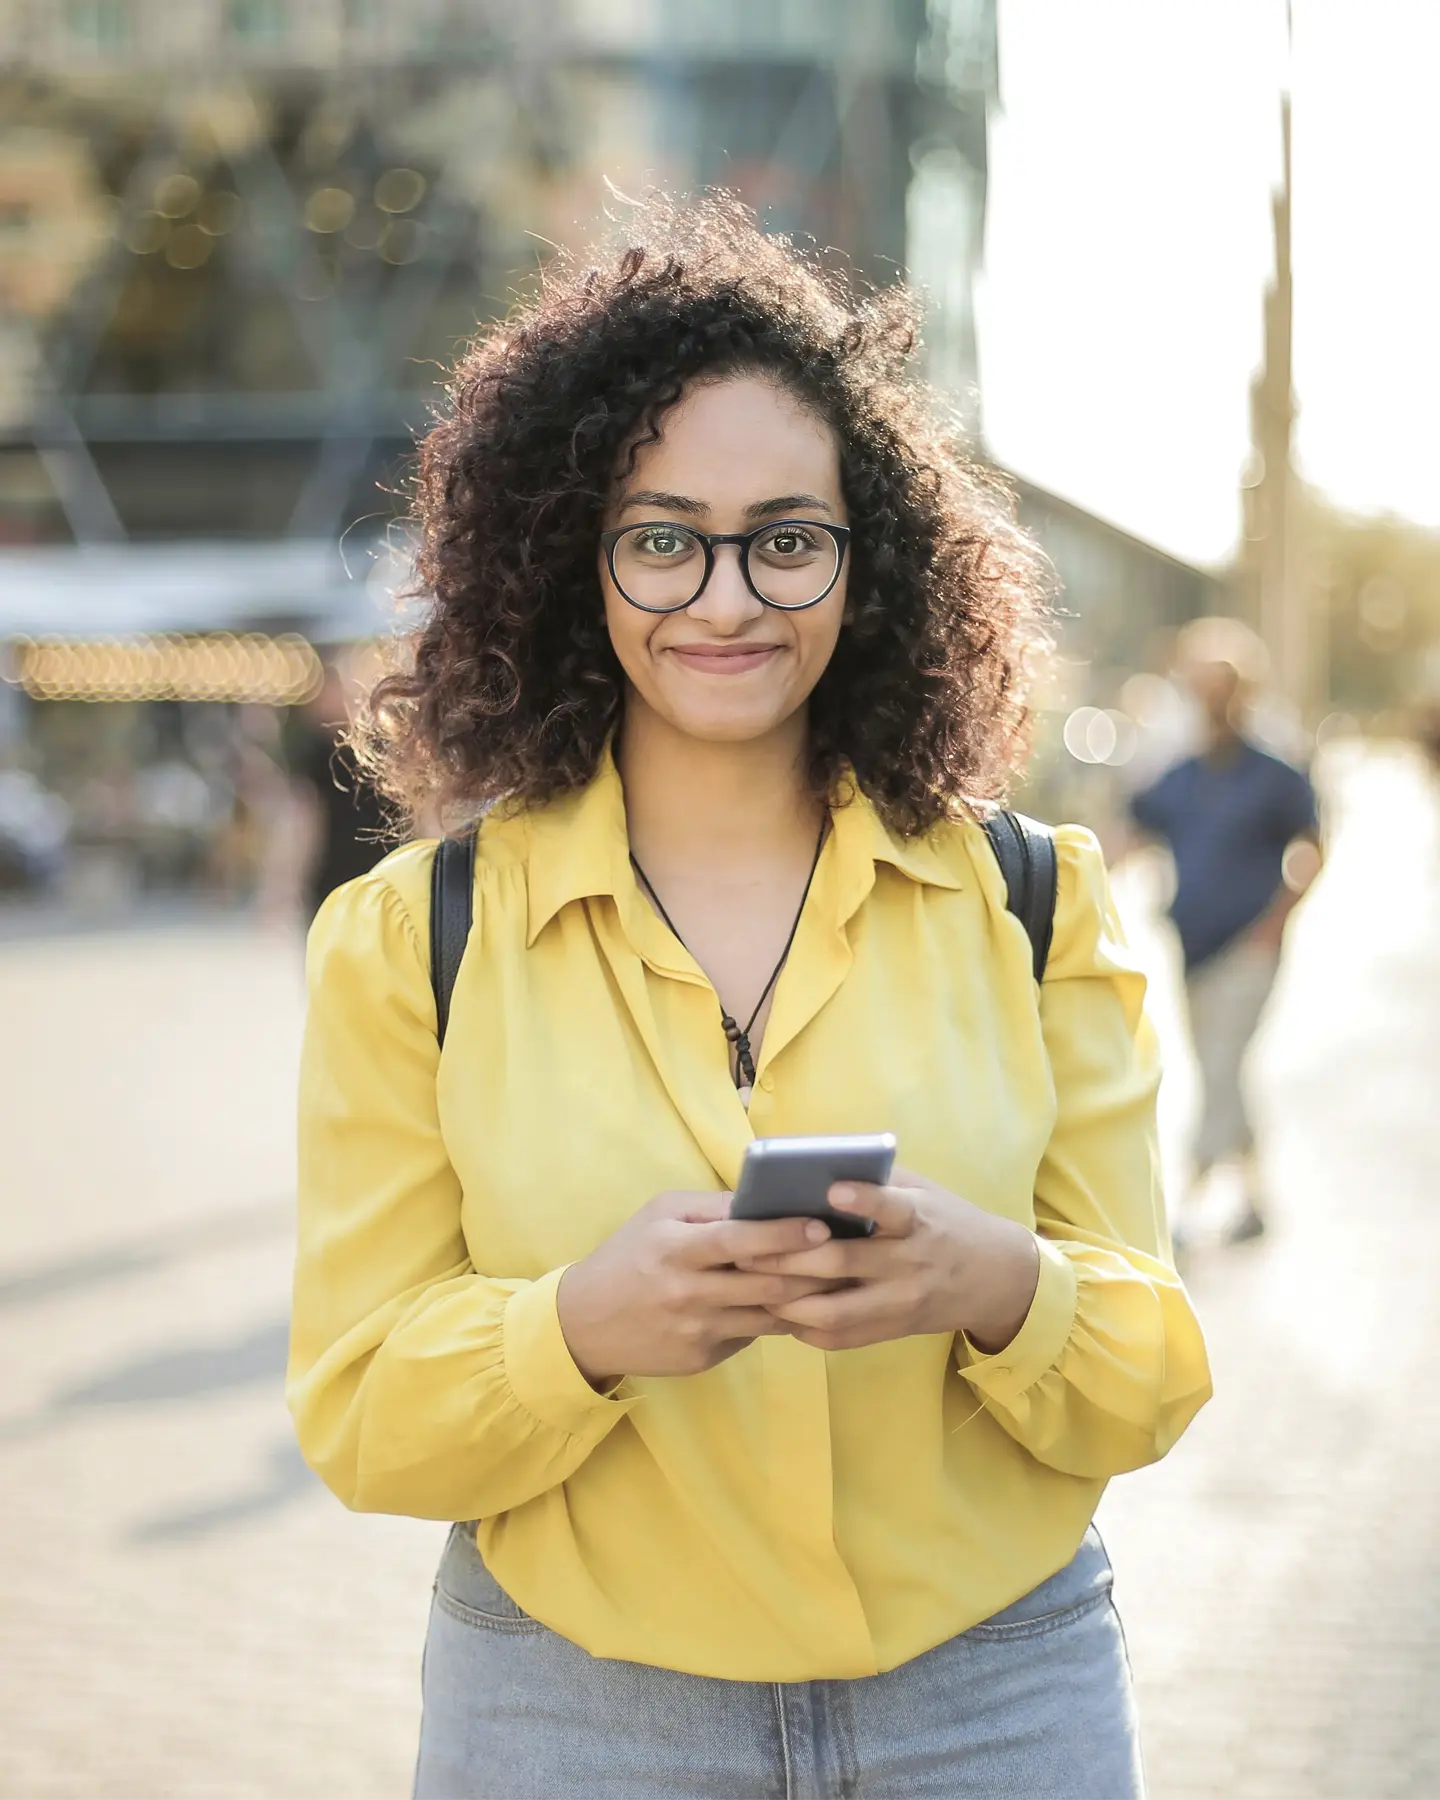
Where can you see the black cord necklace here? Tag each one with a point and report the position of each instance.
(739, 1036)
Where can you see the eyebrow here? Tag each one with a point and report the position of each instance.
(698, 509)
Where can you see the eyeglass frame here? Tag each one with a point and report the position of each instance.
(708, 540)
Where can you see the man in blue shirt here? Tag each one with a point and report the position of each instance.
(1241, 827)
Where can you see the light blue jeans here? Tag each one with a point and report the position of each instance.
(1033, 1704)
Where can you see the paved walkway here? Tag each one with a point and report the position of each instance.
(184, 1613)
(1280, 1574)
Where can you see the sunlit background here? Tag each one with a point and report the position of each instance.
(1180, 288)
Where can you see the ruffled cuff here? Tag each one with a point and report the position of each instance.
(540, 1369)
(1036, 1347)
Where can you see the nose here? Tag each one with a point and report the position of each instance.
(726, 603)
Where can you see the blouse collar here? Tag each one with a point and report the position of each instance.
(579, 849)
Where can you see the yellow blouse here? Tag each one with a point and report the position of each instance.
(792, 1514)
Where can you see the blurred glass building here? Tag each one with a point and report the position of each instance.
(241, 239)
(238, 237)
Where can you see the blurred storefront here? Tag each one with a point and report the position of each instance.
(1110, 719)
(240, 240)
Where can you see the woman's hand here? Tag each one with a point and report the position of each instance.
(936, 1263)
(664, 1294)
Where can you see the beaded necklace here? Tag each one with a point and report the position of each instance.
(738, 1035)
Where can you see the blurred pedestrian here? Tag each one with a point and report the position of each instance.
(1242, 828)
(724, 631)
(253, 858)
(1427, 730)
(342, 824)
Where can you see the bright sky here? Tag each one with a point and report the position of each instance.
(1129, 245)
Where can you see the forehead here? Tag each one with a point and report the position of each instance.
(1210, 671)
(737, 441)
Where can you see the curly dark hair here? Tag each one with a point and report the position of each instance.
(512, 689)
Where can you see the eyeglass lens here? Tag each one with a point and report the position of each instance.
(663, 566)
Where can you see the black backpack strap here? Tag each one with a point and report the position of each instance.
(1025, 851)
(1024, 848)
(452, 906)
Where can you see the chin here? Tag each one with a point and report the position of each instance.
(727, 724)
(727, 731)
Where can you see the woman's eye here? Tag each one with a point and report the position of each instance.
(787, 542)
(663, 544)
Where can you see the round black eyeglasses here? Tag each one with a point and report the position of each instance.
(662, 567)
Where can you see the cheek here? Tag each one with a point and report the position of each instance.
(630, 630)
(819, 631)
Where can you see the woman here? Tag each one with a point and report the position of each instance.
(732, 645)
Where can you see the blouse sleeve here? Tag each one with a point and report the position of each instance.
(417, 1385)
(1110, 1365)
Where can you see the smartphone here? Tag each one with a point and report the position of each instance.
(791, 1177)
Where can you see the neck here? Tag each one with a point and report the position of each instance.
(713, 804)
(1224, 739)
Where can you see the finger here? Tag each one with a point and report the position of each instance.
(749, 1322)
(892, 1208)
(846, 1309)
(854, 1339)
(754, 1326)
(722, 1288)
(713, 1246)
(842, 1259)
(693, 1206)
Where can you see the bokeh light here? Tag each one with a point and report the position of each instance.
(249, 668)
(1094, 736)
(176, 195)
(399, 190)
(329, 209)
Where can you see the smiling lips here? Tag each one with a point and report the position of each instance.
(724, 659)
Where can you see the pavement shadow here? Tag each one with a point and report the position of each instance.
(187, 1372)
(181, 1374)
(92, 1268)
(286, 1478)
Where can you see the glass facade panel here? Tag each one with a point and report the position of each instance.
(258, 21)
(100, 24)
(238, 248)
